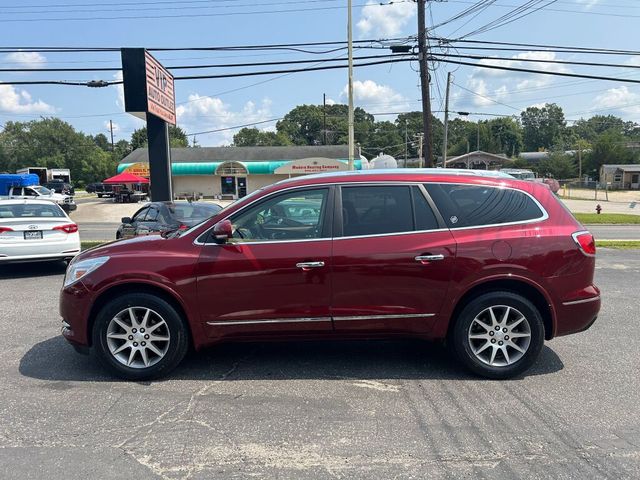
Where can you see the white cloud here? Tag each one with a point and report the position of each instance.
(502, 85)
(375, 97)
(116, 127)
(588, 3)
(331, 101)
(26, 59)
(120, 90)
(13, 100)
(385, 20)
(211, 113)
(619, 99)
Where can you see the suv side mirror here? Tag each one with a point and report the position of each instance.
(126, 220)
(222, 231)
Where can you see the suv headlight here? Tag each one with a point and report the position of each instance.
(77, 270)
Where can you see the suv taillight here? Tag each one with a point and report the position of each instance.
(586, 242)
(69, 228)
(5, 229)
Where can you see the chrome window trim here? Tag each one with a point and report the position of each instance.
(578, 302)
(269, 321)
(545, 214)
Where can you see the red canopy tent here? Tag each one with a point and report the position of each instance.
(126, 178)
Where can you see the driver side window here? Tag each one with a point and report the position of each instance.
(294, 215)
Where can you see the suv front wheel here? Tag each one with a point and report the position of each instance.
(498, 335)
(139, 336)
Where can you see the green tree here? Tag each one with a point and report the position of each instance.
(507, 135)
(544, 127)
(589, 129)
(558, 165)
(252, 137)
(608, 148)
(52, 143)
(414, 125)
(177, 138)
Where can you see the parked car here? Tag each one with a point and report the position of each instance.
(25, 186)
(100, 189)
(59, 186)
(162, 217)
(35, 230)
(491, 264)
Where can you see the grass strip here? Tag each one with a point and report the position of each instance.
(619, 244)
(608, 218)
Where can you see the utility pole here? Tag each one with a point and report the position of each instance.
(111, 130)
(350, 85)
(424, 82)
(580, 161)
(446, 122)
(420, 137)
(324, 117)
(478, 138)
(406, 142)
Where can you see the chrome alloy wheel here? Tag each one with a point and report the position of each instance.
(138, 337)
(499, 336)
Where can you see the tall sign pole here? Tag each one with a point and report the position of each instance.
(446, 123)
(424, 82)
(350, 85)
(149, 94)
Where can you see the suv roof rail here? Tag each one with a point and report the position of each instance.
(409, 171)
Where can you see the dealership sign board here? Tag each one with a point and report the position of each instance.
(140, 169)
(306, 166)
(148, 86)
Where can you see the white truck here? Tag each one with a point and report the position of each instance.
(25, 186)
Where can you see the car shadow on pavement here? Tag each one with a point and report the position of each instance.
(35, 269)
(55, 360)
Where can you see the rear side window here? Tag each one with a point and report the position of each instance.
(476, 205)
(375, 210)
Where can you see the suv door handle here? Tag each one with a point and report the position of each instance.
(308, 265)
(429, 258)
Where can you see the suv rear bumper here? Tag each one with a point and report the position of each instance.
(577, 315)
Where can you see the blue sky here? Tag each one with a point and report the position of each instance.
(211, 104)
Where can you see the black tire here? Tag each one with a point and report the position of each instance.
(177, 330)
(462, 345)
(99, 195)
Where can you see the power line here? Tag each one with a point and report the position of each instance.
(537, 45)
(541, 72)
(194, 15)
(537, 60)
(584, 12)
(185, 67)
(235, 127)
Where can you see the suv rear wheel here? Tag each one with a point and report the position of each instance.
(498, 335)
(139, 336)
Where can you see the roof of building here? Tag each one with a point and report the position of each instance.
(243, 154)
(632, 167)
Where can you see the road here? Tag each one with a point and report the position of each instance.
(615, 232)
(320, 410)
(105, 231)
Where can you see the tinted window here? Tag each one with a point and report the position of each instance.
(152, 215)
(139, 217)
(193, 212)
(291, 216)
(373, 210)
(425, 219)
(473, 205)
(30, 210)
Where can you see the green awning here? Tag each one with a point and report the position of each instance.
(209, 168)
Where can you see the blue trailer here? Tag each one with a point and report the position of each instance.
(8, 180)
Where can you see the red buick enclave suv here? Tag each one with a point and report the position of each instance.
(490, 264)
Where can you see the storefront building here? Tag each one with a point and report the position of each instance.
(233, 172)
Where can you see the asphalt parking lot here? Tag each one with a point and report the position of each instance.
(320, 410)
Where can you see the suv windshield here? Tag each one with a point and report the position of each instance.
(42, 190)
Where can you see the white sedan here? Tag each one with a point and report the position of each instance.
(34, 230)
